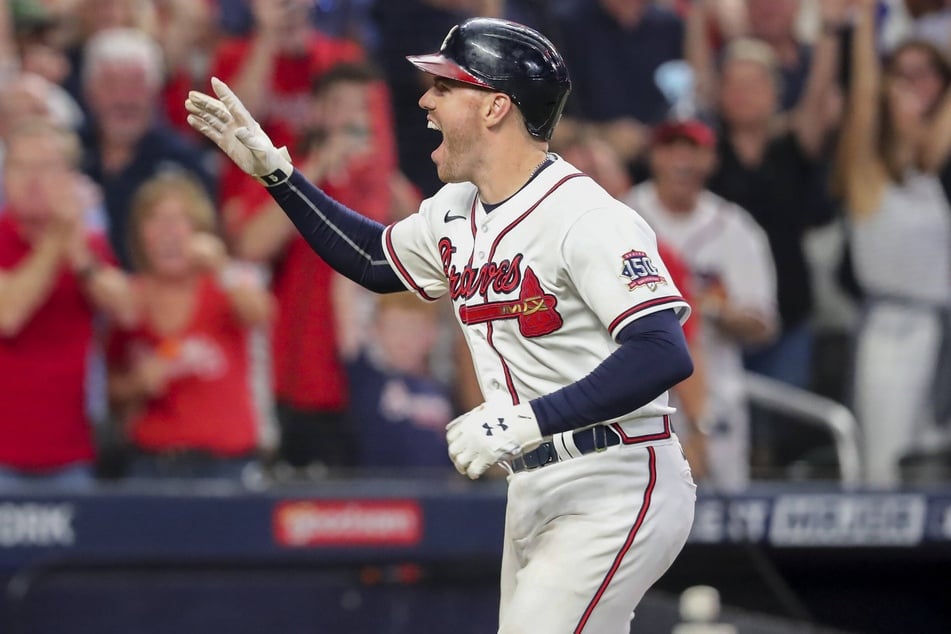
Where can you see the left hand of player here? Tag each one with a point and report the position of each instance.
(490, 433)
(228, 123)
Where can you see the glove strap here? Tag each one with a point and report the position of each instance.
(282, 172)
(274, 178)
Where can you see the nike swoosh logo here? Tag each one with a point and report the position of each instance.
(449, 218)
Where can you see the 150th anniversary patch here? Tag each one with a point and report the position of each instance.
(638, 270)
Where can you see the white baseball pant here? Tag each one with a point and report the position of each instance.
(585, 538)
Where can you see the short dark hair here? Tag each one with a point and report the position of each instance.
(360, 73)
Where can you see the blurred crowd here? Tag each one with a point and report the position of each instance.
(160, 317)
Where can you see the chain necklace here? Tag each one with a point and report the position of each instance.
(539, 166)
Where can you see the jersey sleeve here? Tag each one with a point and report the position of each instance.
(412, 251)
(611, 257)
(683, 280)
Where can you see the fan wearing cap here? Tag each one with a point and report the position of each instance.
(734, 280)
(570, 314)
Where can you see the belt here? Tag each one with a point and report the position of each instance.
(597, 438)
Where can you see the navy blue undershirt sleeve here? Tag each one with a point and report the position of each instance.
(350, 243)
(653, 357)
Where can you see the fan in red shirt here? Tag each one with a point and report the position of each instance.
(337, 151)
(53, 279)
(180, 378)
(273, 71)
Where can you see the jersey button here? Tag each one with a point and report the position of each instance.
(481, 254)
(495, 384)
(485, 227)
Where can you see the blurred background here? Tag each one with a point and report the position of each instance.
(204, 428)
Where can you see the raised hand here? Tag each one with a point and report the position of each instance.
(231, 127)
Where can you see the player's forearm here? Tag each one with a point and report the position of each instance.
(653, 357)
(350, 243)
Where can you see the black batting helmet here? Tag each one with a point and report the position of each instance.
(510, 58)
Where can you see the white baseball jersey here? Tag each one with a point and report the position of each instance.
(541, 286)
(726, 250)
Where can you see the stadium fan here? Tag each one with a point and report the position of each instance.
(180, 375)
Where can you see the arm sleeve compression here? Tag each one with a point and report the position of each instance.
(653, 357)
(350, 243)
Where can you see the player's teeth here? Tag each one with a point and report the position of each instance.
(432, 125)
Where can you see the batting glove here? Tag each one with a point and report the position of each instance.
(490, 433)
(228, 123)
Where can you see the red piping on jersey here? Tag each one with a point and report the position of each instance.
(524, 215)
(652, 480)
(505, 367)
(402, 269)
(633, 440)
(651, 303)
(472, 224)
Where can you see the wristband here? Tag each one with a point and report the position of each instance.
(274, 178)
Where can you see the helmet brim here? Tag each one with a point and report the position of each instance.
(441, 66)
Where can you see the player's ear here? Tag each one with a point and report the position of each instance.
(497, 106)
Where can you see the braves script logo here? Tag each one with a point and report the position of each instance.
(502, 277)
(534, 309)
(640, 271)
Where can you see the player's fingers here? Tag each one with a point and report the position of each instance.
(200, 103)
(456, 448)
(211, 120)
(201, 100)
(476, 468)
(204, 128)
(231, 102)
(459, 464)
(461, 457)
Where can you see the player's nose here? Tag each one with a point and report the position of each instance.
(426, 101)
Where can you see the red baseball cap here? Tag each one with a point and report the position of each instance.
(691, 129)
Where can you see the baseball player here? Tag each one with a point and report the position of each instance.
(571, 317)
